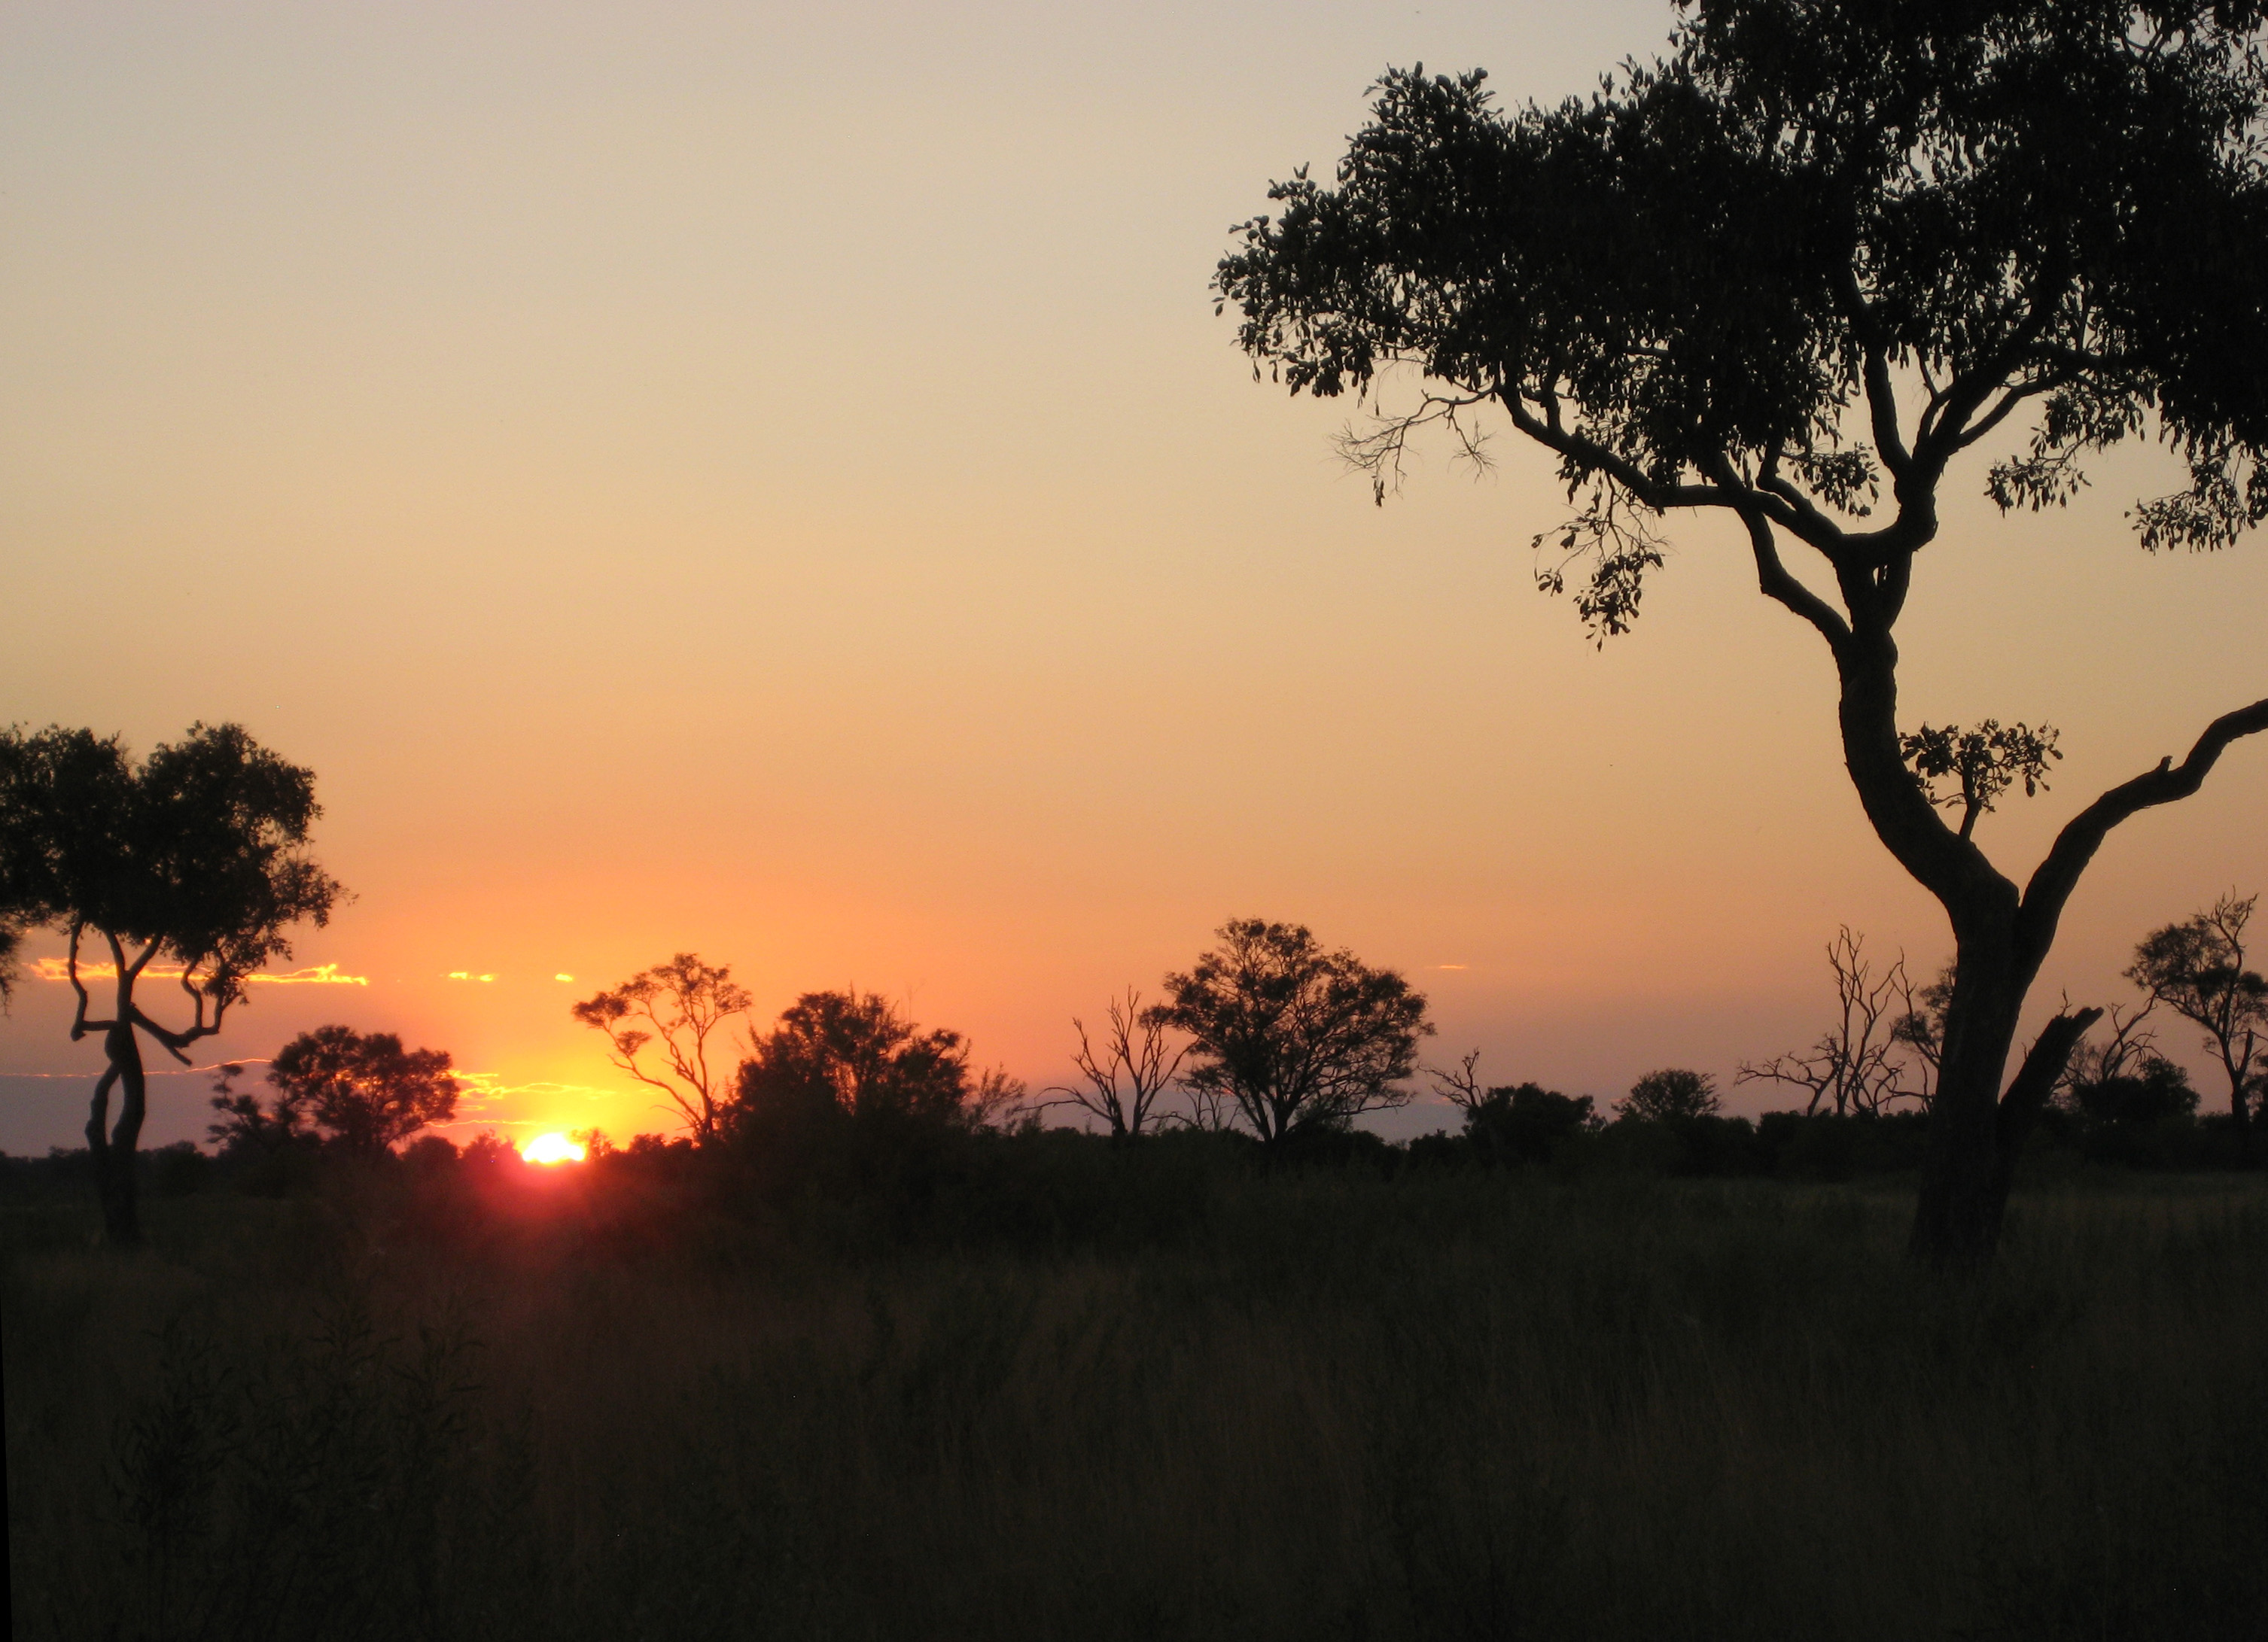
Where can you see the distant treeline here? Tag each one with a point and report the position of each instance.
(880, 1175)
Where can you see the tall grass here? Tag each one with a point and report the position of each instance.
(1467, 1406)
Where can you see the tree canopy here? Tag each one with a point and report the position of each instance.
(194, 856)
(856, 1053)
(1703, 285)
(1672, 1095)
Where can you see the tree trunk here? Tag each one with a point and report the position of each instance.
(111, 1152)
(1957, 1216)
(1977, 1132)
(2239, 1105)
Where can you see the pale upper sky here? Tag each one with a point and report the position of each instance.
(769, 481)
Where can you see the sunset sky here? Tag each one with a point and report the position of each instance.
(768, 481)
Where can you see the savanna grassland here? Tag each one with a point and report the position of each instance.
(1215, 1402)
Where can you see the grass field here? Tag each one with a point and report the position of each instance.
(1322, 1405)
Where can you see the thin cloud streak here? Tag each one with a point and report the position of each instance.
(58, 969)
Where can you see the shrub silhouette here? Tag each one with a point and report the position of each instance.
(1526, 1123)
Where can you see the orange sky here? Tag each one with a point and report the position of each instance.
(768, 481)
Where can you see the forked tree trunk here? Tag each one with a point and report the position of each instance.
(2001, 936)
(111, 1148)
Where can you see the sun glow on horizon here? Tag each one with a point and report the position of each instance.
(553, 1148)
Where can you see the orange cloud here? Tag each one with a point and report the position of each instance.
(319, 975)
(481, 1093)
(466, 974)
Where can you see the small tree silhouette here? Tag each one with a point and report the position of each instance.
(673, 1009)
(2197, 969)
(1859, 1064)
(856, 1053)
(1300, 1039)
(1123, 1079)
(192, 858)
(1670, 1096)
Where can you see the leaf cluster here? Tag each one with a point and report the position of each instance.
(1969, 769)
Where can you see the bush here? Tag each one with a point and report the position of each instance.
(1824, 1146)
(1526, 1124)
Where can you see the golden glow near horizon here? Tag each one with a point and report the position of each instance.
(484, 365)
(554, 1148)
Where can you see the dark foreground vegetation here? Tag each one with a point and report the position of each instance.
(1049, 1387)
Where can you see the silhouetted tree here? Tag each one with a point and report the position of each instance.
(364, 1091)
(1523, 1123)
(1859, 1064)
(2196, 968)
(1460, 1087)
(855, 1052)
(1786, 278)
(2153, 1090)
(1300, 1039)
(672, 1008)
(845, 1090)
(1670, 1096)
(192, 858)
(1124, 1077)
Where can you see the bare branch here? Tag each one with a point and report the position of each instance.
(1854, 1065)
(1460, 1087)
(1132, 1070)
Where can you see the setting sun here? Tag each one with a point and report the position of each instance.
(553, 1148)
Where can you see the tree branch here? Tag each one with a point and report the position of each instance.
(2009, 400)
(1882, 411)
(1776, 580)
(80, 1025)
(1590, 454)
(2082, 835)
(2028, 1090)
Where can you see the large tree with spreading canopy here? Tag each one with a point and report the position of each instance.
(1791, 276)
